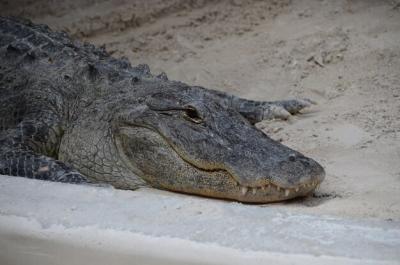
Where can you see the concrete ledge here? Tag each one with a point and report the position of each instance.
(53, 223)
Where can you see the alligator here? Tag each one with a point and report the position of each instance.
(70, 112)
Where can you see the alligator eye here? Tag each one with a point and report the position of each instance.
(192, 115)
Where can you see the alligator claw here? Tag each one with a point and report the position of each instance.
(277, 112)
(284, 109)
(294, 106)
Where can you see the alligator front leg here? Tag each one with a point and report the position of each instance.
(256, 111)
(25, 150)
(28, 164)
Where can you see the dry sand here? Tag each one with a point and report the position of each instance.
(343, 54)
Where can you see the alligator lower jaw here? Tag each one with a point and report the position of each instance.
(272, 187)
(272, 192)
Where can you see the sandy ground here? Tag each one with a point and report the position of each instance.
(343, 54)
(65, 224)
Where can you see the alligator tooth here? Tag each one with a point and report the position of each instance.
(254, 191)
(244, 190)
(297, 189)
(287, 192)
(263, 188)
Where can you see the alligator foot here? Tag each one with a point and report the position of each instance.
(284, 109)
(30, 165)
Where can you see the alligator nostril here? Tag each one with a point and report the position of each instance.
(305, 162)
(292, 157)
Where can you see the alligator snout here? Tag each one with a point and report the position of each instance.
(294, 176)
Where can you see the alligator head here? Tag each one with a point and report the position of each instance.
(181, 139)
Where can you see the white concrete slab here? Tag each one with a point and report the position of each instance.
(54, 223)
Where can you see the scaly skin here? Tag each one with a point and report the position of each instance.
(72, 113)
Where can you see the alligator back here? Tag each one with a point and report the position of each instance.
(45, 71)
